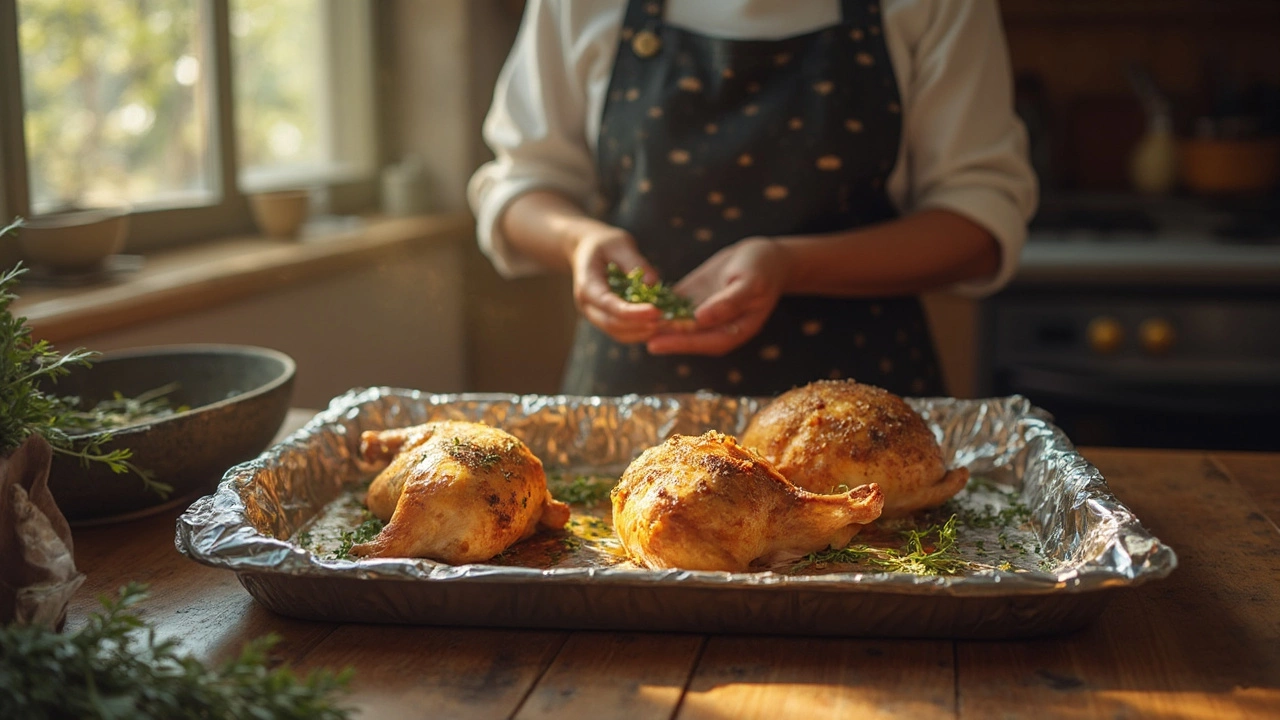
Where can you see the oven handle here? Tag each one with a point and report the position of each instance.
(1222, 399)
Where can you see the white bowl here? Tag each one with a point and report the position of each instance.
(75, 241)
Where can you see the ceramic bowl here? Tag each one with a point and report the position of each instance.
(75, 241)
(280, 214)
(238, 397)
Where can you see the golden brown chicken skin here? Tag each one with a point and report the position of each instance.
(707, 503)
(457, 492)
(831, 433)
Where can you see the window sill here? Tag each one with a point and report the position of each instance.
(183, 280)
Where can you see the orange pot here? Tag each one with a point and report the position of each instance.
(1223, 167)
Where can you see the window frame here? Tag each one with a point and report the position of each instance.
(227, 213)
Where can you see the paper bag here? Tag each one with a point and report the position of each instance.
(38, 572)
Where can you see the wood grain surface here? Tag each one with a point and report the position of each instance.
(1203, 643)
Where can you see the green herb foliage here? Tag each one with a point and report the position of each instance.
(27, 366)
(114, 667)
(121, 411)
(632, 288)
(931, 551)
(580, 489)
(366, 531)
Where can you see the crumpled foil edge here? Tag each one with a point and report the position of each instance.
(245, 525)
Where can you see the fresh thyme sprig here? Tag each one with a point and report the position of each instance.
(115, 667)
(365, 532)
(630, 286)
(919, 556)
(27, 366)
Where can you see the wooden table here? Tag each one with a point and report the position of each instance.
(1204, 643)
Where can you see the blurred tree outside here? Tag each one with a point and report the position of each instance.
(119, 101)
(115, 101)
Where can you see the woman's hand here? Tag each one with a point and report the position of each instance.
(734, 291)
(589, 258)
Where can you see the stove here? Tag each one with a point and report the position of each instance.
(1144, 324)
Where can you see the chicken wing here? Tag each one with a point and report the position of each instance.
(456, 492)
(831, 433)
(707, 503)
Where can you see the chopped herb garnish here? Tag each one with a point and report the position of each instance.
(630, 286)
(472, 455)
(367, 531)
(580, 489)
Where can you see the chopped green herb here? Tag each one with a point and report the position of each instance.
(304, 539)
(472, 455)
(367, 531)
(580, 489)
(630, 286)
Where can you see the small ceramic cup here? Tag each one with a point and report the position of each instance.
(74, 241)
(279, 214)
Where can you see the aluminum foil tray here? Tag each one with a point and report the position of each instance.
(1091, 544)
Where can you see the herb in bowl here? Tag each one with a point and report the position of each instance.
(121, 411)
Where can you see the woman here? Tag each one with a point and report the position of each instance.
(801, 169)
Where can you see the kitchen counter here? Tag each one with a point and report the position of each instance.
(1204, 643)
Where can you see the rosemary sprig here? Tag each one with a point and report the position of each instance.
(630, 286)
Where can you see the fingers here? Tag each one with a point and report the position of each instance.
(717, 340)
(624, 330)
(623, 321)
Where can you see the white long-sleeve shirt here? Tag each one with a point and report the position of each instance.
(962, 149)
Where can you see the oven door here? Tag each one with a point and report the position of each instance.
(1228, 412)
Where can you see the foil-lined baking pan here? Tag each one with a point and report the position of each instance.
(1091, 545)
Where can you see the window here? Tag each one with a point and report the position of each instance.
(179, 107)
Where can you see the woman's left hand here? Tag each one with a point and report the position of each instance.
(734, 291)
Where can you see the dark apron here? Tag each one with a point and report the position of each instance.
(706, 141)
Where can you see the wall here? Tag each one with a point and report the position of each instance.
(1078, 50)
(438, 66)
(397, 322)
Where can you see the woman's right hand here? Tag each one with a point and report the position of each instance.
(589, 257)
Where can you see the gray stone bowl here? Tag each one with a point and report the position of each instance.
(238, 397)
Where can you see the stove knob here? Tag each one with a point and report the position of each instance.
(1157, 335)
(1105, 334)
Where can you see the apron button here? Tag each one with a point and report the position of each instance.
(646, 44)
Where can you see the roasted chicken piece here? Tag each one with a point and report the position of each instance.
(457, 492)
(707, 503)
(834, 433)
